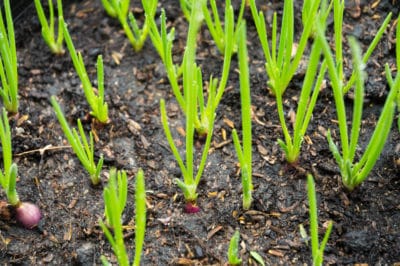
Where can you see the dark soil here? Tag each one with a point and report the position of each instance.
(366, 221)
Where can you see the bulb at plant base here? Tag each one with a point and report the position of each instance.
(28, 214)
(191, 208)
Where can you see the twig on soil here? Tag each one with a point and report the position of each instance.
(42, 150)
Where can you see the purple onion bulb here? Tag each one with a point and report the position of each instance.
(28, 214)
(191, 208)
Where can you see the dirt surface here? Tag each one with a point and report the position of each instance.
(366, 221)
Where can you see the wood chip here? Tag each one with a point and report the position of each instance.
(72, 203)
(145, 142)
(22, 119)
(375, 4)
(221, 144)
(68, 234)
(223, 134)
(308, 140)
(276, 253)
(213, 231)
(53, 238)
(181, 131)
(116, 56)
(212, 194)
(262, 150)
(134, 127)
(229, 122)
(184, 262)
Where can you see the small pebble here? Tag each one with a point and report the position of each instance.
(85, 254)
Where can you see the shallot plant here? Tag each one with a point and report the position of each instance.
(115, 196)
(193, 97)
(8, 61)
(317, 248)
(48, 29)
(120, 10)
(338, 10)
(233, 250)
(354, 173)
(97, 104)
(214, 21)
(27, 213)
(83, 149)
(281, 66)
(281, 63)
(162, 41)
(291, 144)
(244, 153)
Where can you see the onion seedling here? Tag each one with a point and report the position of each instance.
(354, 173)
(308, 97)
(120, 9)
(96, 102)
(280, 64)
(193, 93)
(338, 10)
(244, 154)
(162, 41)
(8, 62)
(115, 195)
(317, 248)
(233, 250)
(213, 21)
(83, 149)
(48, 29)
(281, 67)
(27, 214)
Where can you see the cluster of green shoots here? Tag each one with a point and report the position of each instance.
(8, 61)
(83, 148)
(120, 9)
(48, 26)
(115, 193)
(281, 65)
(26, 213)
(199, 113)
(95, 97)
(115, 197)
(162, 41)
(354, 173)
(199, 101)
(97, 104)
(193, 97)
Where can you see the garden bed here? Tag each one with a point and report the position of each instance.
(366, 221)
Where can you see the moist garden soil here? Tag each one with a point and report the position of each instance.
(366, 221)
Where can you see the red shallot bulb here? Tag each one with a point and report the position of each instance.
(191, 208)
(28, 214)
